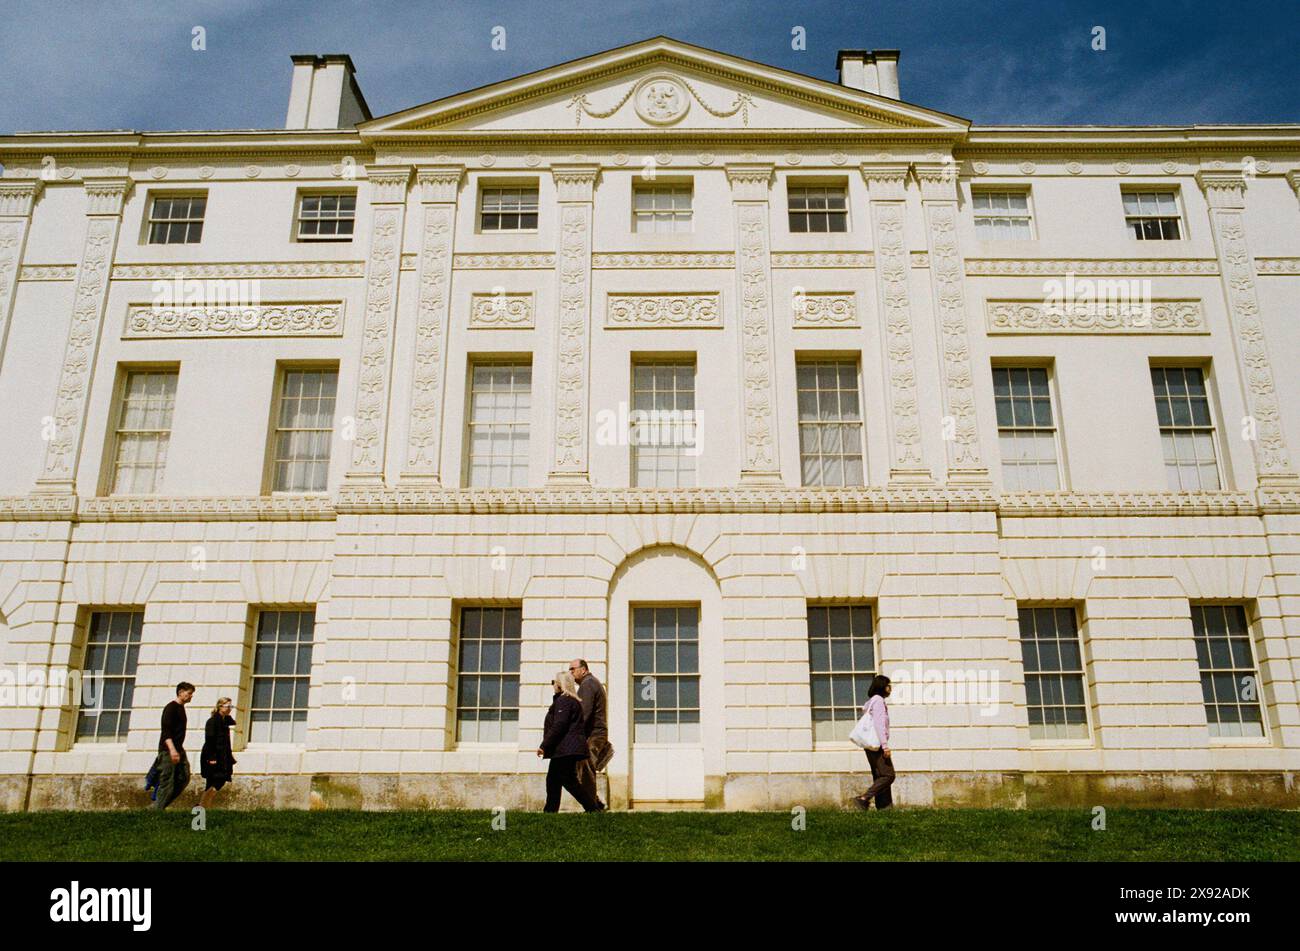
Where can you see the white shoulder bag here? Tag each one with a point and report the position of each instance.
(864, 734)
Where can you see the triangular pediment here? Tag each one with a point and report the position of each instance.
(663, 84)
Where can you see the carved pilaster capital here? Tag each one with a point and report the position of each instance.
(750, 181)
(886, 181)
(1293, 178)
(439, 183)
(1225, 189)
(17, 196)
(575, 182)
(105, 196)
(938, 180)
(388, 183)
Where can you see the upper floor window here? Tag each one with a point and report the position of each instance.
(1186, 429)
(500, 407)
(1002, 215)
(327, 217)
(830, 422)
(663, 435)
(143, 432)
(177, 219)
(304, 428)
(510, 208)
(1153, 216)
(1026, 431)
(661, 209)
(818, 208)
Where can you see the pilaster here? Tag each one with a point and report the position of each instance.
(104, 200)
(575, 186)
(1225, 192)
(938, 181)
(439, 186)
(887, 194)
(17, 199)
(750, 193)
(387, 219)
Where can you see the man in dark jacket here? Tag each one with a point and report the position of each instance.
(592, 694)
(172, 764)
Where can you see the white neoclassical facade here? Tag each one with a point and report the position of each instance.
(743, 385)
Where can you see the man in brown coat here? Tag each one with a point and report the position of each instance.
(596, 726)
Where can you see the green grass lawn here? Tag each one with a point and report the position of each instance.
(901, 835)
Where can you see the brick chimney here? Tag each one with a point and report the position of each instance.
(325, 94)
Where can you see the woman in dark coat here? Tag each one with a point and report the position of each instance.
(565, 744)
(216, 762)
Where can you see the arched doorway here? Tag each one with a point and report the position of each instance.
(665, 676)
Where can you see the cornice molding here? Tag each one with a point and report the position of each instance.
(238, 270)
(583, 500)
(1115, 267)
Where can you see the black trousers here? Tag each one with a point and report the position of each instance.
(882, 775)
(562, 774)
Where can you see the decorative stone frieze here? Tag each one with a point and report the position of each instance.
(498, 311)
(662, 310)
(315, 319)
(825, 309)
(664, 259)
(1153, 317)
(537, 261)
(823, 259)
(1118, 267)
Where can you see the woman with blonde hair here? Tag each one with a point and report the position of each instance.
(565, 744)
(217, 762)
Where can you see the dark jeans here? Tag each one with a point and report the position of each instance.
(882, 774)
(586, 768)
(172, 778)
(562, 774)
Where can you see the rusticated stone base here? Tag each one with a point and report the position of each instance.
(738, 792)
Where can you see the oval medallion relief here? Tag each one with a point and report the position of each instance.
(661, 100)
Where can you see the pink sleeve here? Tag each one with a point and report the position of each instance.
(880, 717)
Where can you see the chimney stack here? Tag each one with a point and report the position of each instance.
(325, 94)
(873, 71)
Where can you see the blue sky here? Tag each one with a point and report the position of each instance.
(86, 65)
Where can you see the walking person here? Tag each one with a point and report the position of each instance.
(217, 762)
(564, 744)
(880, 760)
(172, 764)
(591, 692)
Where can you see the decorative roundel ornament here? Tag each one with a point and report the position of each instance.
(620, 158)
(158, 172)
(1263, 165)
(292, 170)
(67, 172)
(207, 171)
(1074, 168)
(486, 160)
(1169, 168)
(661, 99)
(838, 158)
(981, 168)
(1028, 168)
(707, 158)
(793, 158)
(532, 160)
(663, 158)
(1123, 168)
(252, 171)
